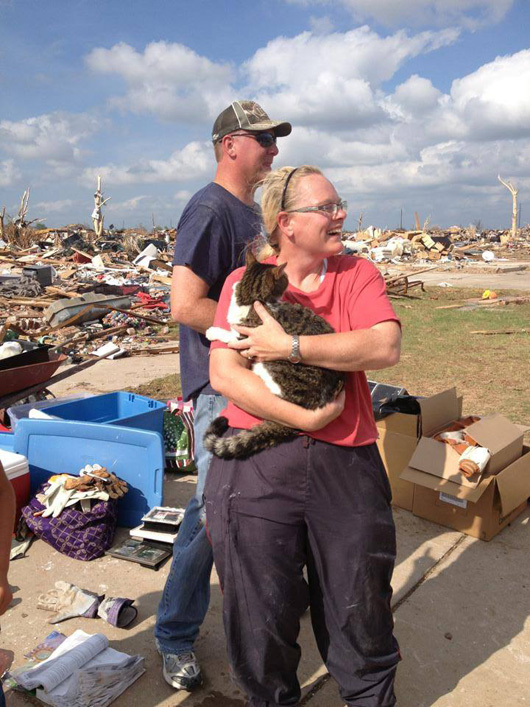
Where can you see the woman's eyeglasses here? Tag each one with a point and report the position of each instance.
(263, 139)
(329, 209)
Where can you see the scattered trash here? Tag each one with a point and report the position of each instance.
(72, 291)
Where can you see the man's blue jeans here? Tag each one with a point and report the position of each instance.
(186, 596)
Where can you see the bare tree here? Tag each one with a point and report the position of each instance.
(97, 214)
(513, 191)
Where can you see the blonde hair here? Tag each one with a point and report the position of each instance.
(273, 194)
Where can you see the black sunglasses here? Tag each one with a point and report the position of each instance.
(263, 139)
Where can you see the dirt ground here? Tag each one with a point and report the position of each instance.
(499, 276)
(121, 374)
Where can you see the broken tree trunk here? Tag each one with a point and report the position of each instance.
(97, 214)
(513, 191)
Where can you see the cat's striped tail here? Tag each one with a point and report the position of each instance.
(247, 442)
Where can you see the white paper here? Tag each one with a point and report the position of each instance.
(453, 500)
(83, 672)
(74, 652)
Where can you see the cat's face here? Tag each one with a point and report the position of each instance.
(262, 282)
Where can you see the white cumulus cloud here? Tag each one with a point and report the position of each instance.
(194, 161)
(333, 80)
(424, 13)
(168, 80)
(52, 207)
(9, 173)
(54, 136)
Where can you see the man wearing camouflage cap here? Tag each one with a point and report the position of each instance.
(215, 226)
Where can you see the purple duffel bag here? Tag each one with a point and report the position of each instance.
(83, 536)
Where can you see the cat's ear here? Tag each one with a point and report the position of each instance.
(250, 258)
(278, 270)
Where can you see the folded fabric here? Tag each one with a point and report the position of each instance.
(474, 460)
(117, 611)
(67, 601)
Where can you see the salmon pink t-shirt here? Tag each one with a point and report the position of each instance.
(351, 296)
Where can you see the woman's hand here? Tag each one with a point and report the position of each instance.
(313, 420)
(267, 342)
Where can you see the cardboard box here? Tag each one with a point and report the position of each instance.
(490, 507)
(446, 406)
(396, 451)
(398, 438)
(479, 506)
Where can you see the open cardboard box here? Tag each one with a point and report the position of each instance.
(480, 506)
(398, 438)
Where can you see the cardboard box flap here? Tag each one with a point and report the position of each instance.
(514, 483)
(438, 459)
(494, 432)
(437, 483)
(438, 410)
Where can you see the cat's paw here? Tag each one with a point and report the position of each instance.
(215, 333)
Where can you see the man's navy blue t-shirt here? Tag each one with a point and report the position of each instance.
(212, 233)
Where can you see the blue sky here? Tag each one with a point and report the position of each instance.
(414, 105)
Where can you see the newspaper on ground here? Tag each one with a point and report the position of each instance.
(83, 672)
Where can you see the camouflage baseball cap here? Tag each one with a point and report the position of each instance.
(246, 115)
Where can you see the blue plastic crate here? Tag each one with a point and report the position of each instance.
(7, 441)
(59, 446)
(125, 409)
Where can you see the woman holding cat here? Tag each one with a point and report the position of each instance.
(322, 499)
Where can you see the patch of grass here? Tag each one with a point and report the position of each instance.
(163, 388)
(438, 352)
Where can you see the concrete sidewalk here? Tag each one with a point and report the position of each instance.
(461, 608)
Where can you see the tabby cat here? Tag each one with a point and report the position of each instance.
(309, 386)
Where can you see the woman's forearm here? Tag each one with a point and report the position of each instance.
(365, 349)
(360, 350)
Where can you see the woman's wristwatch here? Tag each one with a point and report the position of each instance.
(294, 356)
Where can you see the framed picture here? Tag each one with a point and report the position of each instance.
(140, 551)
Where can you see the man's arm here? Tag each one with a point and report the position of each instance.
(7, 520)
(190, 304)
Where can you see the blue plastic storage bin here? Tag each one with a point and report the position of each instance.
(126, 409)
(7, 441)
(59, 446)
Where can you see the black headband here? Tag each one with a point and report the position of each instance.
(284, 192)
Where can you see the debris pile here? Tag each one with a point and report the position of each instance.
(460, 246)
(72, 291)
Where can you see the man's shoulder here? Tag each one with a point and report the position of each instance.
(216, 198)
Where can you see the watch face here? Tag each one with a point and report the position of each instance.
(293, 358)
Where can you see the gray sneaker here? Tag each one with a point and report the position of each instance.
(181, 670)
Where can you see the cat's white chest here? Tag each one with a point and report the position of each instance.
(236, 314)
